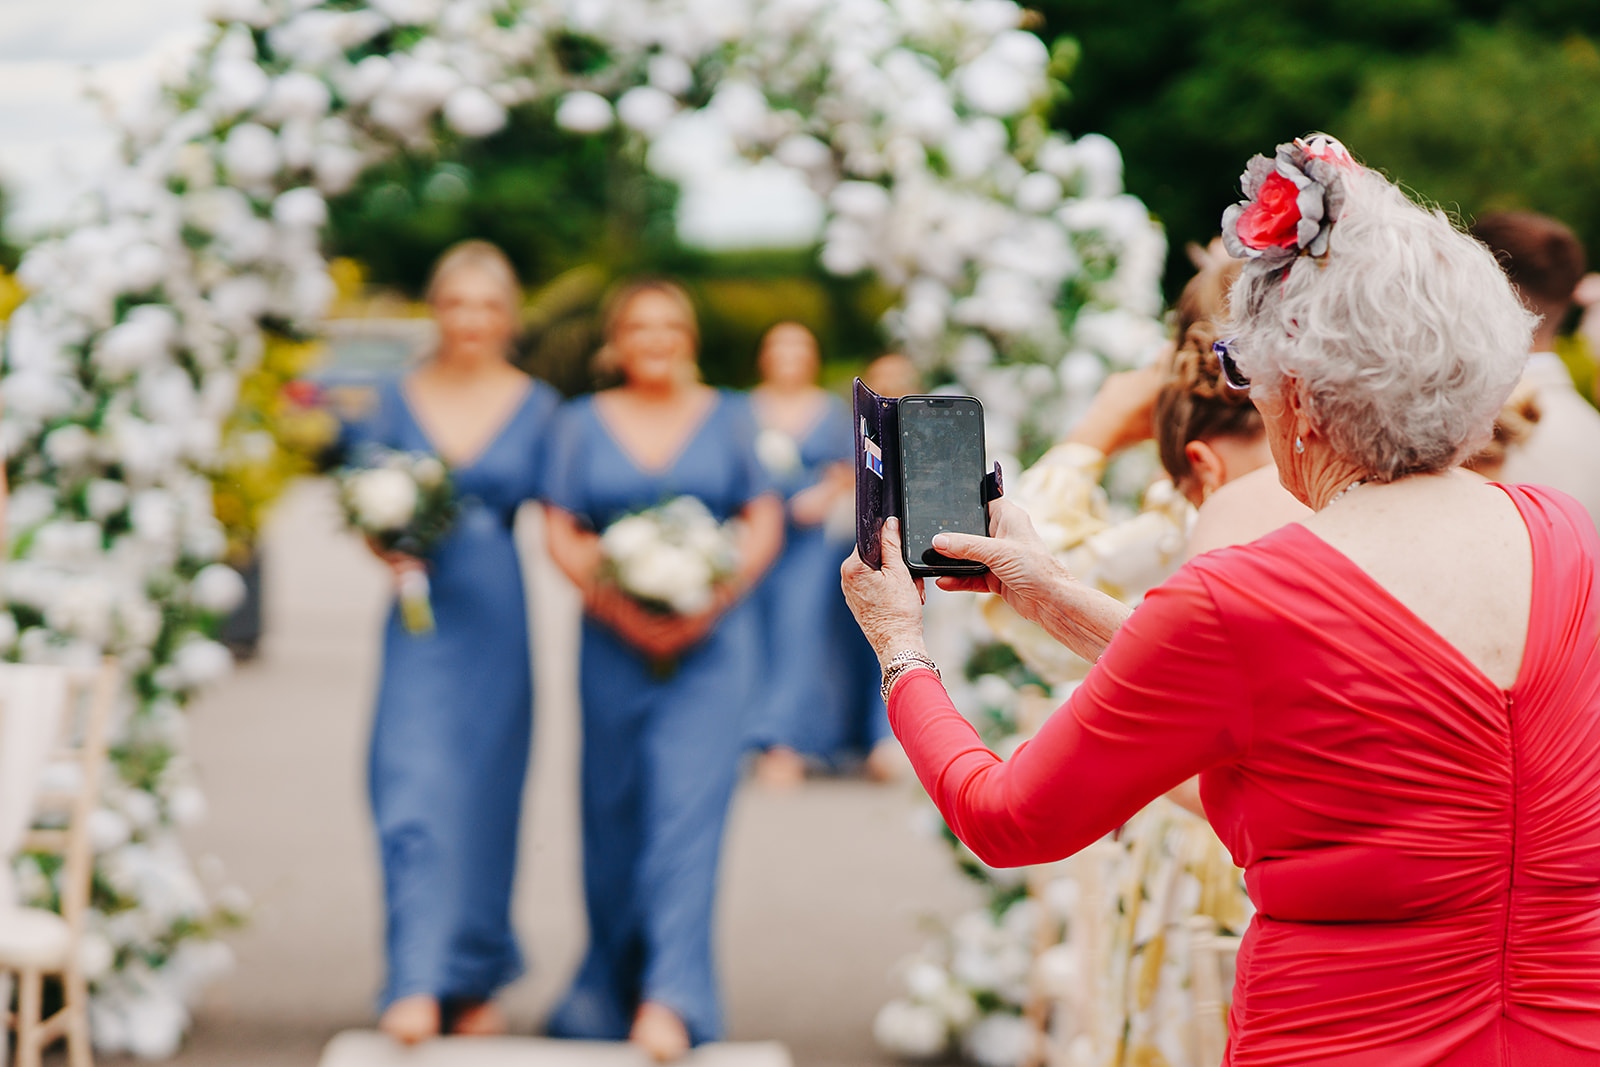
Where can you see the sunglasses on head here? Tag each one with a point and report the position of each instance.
(1231, 374)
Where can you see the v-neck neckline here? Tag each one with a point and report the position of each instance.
(811, 427)
(717, 400)
(1418, 623)
(488, 445)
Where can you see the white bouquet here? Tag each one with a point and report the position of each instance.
(669, 558)
(401, 502)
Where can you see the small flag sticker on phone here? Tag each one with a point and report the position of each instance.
(873, 452)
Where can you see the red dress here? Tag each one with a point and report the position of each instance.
(1423, 848)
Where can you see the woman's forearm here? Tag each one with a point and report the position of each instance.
(760, 540)
(1080, 617)
(574, 550)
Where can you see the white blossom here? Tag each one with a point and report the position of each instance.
(646, 109)
(297, 95)
(250, 155)
(911, 1031)
(584, 112)
(217, 589)
(473, 113)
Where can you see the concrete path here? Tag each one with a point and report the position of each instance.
(822, 888)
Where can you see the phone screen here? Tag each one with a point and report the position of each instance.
(941, 463)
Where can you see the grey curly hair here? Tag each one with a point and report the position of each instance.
(1406, 337)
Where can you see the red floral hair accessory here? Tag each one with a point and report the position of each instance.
(1290, 202)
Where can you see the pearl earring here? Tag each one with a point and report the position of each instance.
(1299, 445)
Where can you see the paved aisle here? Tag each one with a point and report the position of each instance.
(821, 888)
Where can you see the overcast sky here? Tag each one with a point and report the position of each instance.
(52, 135)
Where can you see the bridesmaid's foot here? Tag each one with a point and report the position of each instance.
(887, 761)
(659, 1032)
(411, 1020)
(479, 1019)
(781, 767)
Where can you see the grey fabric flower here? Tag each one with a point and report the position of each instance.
(1273, 226)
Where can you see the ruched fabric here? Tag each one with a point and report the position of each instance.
(1423, 848)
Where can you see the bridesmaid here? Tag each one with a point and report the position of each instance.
(660, 748)
(806, 445)
(451, 735)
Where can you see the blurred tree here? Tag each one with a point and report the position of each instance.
(1504, 120)
(576, 214)
(1191, 89)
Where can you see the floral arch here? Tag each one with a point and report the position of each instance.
(919, 125)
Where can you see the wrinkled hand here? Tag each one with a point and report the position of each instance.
(887, 603)
(1021, 568)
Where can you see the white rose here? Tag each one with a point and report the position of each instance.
(999, 1039)
(300, 209)
(910, 1031)
(155, 1026)
(250, 154)
(108, 830)
(584, 112)
(187, 806)
(95, 955)
(144, 337)
(472, 112)
(777, 452)
(236, 85)
(69, 446)
(925, 980)
(217, 589)
(646, 108)
(672, 575)
(628, 537)
(384, 499)
(200, 662)
(297, 95)
(428, 472)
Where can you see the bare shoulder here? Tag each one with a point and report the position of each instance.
(1245, 509)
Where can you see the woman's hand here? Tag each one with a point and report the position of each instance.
(887, 603)
(1120, 414)
(1021, 569)
(1024, 573)
(657, 636)
(812, 505)
(400, 564)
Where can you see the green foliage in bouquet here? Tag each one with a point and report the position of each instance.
(401, 501)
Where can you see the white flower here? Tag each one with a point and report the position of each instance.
(994, 86)
(200, 662)
(777, 452)
(473, 113)
(297, 95)
(360, 83)
(236, 85)
(646, 109)
(670, 74)
(300, 209)
(925, 980)
(628, 537)
(428, 472)
(383, 499)
(108, 829)
(910, 1031)
(253, 12)
(144, 266)
(671, 575)
(999, 1039)
(250, 155)
(410, 12)
(145, 336)
(584, 112)
(803, 152)
(155, 1026)
(187, 806)
(1038, 193)
(95, 955)
(217, 589)
(69, 446)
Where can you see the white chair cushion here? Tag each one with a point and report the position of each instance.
(33, 939)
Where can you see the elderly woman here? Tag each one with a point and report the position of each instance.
(1394, 707)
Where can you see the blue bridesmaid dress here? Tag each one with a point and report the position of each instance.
(660, 749)
(454, 721)
(806, 704)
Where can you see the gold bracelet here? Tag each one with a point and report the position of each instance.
(900, 663)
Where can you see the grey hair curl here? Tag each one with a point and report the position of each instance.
(1406, 337)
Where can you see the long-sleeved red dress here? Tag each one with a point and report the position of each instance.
(1423, 847)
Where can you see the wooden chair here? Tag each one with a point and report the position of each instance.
(35, 943)
(1210, 953)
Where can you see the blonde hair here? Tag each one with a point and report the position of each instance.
(476, 255)
(617, 301)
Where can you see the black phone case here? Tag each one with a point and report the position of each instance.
(877, 422)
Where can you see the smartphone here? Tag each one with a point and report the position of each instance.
(941, 479)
